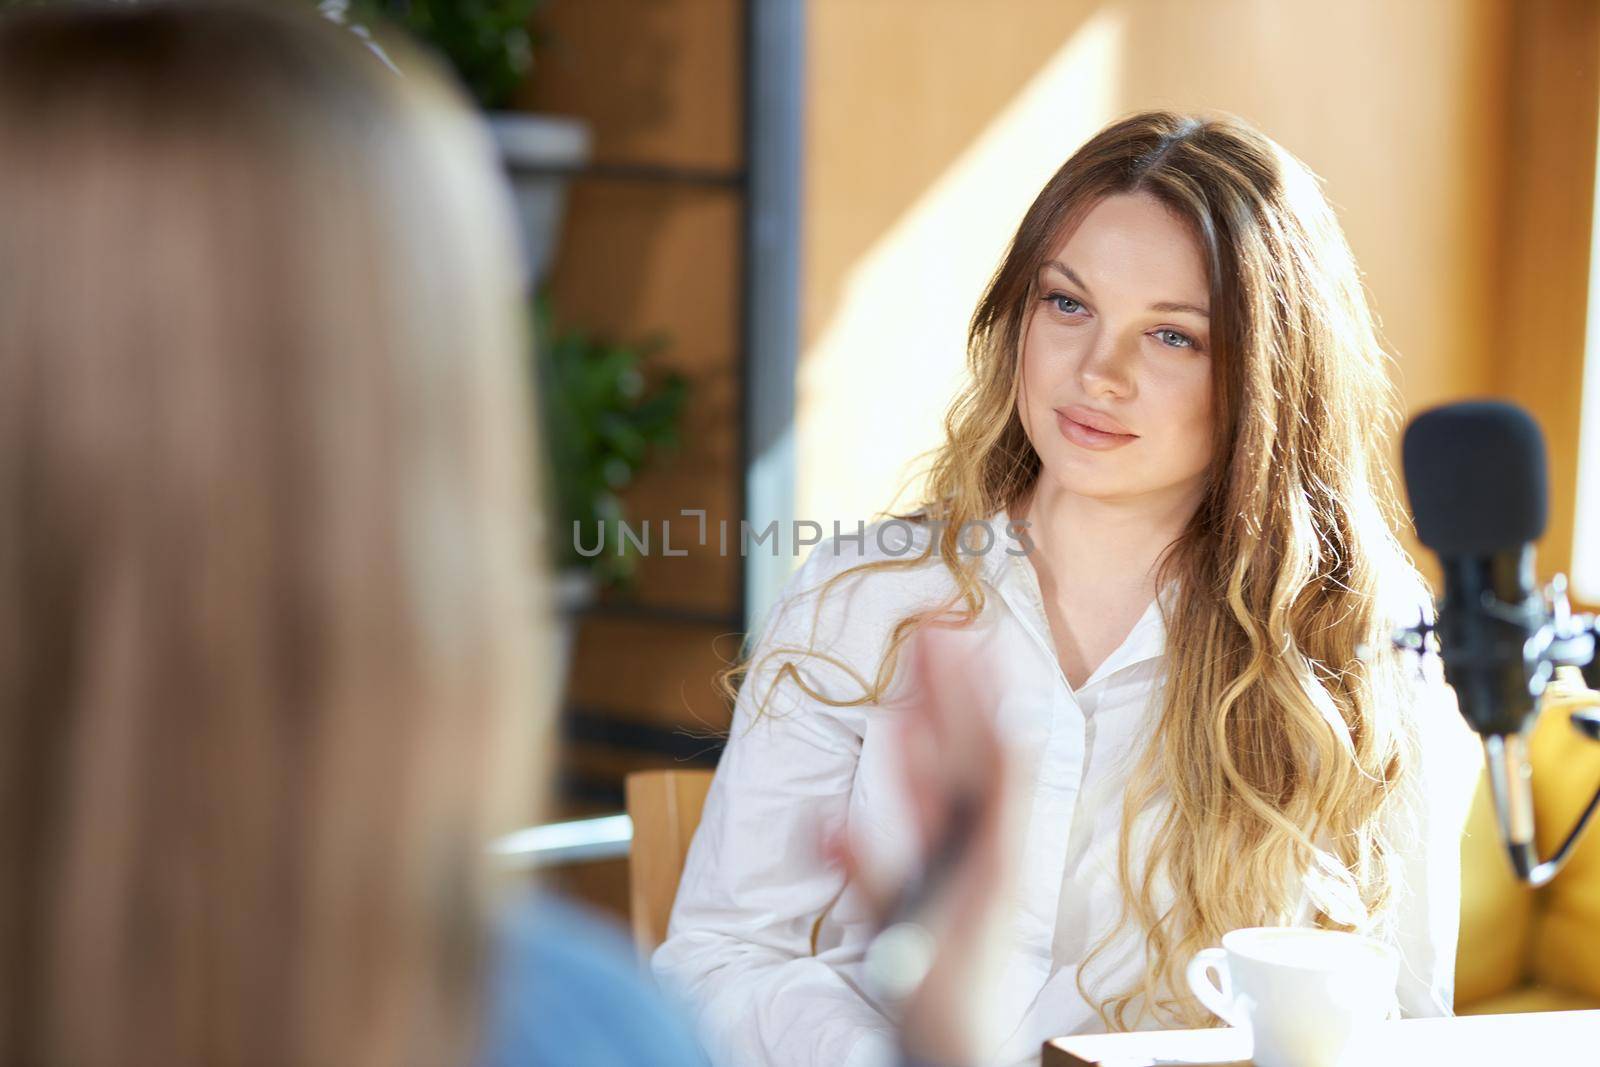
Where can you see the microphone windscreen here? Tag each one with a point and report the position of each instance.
(1475, 475)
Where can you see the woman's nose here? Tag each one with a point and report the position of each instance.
(1107, 366)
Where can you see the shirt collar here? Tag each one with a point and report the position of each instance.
(1008, 570)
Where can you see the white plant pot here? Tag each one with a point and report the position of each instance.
(575, 591)
(540, 152)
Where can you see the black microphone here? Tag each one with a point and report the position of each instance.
(1475, 475)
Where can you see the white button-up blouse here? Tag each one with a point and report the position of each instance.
(766, 941)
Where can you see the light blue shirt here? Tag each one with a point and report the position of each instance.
(568, 990)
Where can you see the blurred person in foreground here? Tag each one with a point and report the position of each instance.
(276, 652)
(275, 655)
(1162, 518)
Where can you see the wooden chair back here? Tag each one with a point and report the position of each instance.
(665, 809)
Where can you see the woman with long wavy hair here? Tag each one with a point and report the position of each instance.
(1162, 517)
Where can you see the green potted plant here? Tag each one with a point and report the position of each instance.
(604, 415)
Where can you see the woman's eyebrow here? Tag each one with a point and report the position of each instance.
(1194, 309)
(1068, 271)
(1160, 306)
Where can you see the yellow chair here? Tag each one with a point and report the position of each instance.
(665, 809)
(1534, 950)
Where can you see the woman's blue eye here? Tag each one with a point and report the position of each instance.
(1188, 342)
(1057, 298)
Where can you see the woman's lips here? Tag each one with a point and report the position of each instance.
(1089, 437)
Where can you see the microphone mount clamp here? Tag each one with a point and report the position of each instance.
(1562, 675)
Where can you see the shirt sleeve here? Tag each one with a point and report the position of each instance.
(738, 944)
(1437, 801)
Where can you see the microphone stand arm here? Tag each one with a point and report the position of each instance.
(1569, 694)
(1561, 641)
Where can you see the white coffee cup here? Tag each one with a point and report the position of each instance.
(1307, 997)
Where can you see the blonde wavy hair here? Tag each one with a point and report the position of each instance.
(274, 651)
(1278, 744)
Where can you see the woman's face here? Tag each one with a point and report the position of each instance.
(1116, 357)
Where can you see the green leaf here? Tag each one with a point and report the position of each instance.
(489, 43)
(606, 416)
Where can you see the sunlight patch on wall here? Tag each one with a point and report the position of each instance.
(873, 389)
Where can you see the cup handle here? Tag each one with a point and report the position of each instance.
(1218, 995)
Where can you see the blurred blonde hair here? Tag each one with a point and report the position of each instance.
(1277, 749)
(270, 604)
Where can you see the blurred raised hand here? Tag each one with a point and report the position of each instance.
(959, 792)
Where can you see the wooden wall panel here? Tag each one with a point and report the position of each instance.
(659, 79)
(653, 244)
(1542, 301)
(650, 672)
(639, 258)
